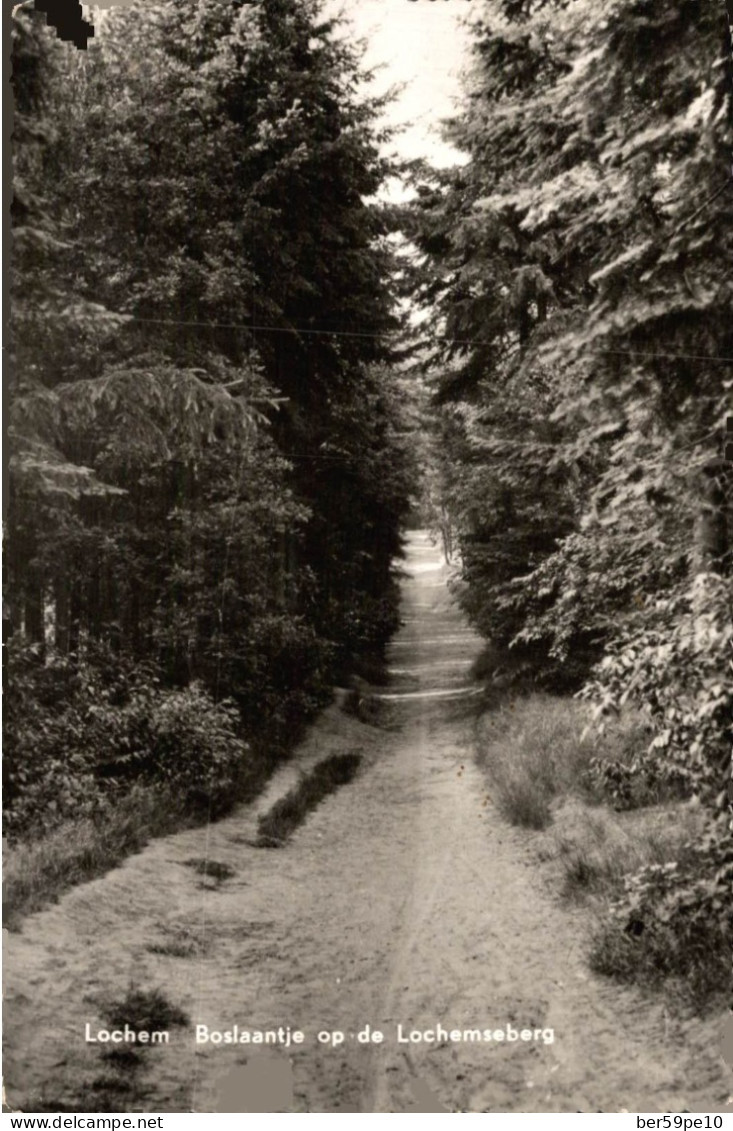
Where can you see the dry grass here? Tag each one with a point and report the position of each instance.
(536, 749)
(596, 850)
(40, 869)
(537, 757)
(37, 872)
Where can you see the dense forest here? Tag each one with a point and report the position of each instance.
(217, 440)
(208, 477)
(580, 266)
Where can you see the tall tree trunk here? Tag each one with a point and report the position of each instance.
(712, 534)
(61, 603)
(34, 610)
(94, 601)
(75, 611)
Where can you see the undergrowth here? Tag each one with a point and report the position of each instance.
(597, 853)
(673, 925)
(648, 856)
(536, 749)
(37, 871)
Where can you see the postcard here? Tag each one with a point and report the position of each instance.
(368, 559)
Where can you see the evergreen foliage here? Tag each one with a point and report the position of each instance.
(210, 426)
(580, 264)
(579, 268)
(207, 478)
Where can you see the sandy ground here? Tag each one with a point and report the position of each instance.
(403, 900)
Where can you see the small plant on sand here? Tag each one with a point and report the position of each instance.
(211, 869)
(148, 1010)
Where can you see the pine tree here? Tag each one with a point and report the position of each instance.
(582, 252)
(209, 166)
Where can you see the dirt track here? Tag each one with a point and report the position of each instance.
(404, 899)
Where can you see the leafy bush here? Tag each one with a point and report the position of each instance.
(78, 735)
(675, 921)
(677, 670)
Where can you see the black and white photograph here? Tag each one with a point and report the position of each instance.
(368, 559)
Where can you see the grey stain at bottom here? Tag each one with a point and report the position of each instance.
(425, 1099)
(727, 1046)
(264, 1084)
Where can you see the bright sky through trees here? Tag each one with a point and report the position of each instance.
(420, 44)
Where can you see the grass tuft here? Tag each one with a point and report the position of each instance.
(280, 822)
(143, 1009)
(40, 869)
(692, 965)
(119, 1086)
(537, 748)
(210, 869)
(598, 850)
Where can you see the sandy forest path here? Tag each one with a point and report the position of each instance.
(403, 900)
